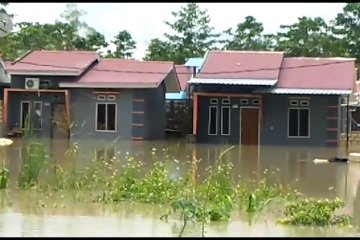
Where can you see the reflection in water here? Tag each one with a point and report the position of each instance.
(28, 217)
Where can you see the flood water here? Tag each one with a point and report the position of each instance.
(62, 215)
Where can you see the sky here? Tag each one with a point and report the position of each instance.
(146, 20)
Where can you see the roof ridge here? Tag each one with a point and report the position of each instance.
(322, 58)
(245, 51)
(66, 51)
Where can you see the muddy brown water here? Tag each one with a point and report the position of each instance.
(32, 215)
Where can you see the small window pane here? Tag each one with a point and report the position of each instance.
(226, 101)
(111, 115)
(213, 120)
(111, 97)
(294, 102)
(37, 115)
(101, 97)
(25, 108)
(304, 122)
(213, 101)
(101, 125)
(244, 101)
(225, 120)
(293, 122)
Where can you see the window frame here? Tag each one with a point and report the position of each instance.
(216, 120)
(21, 113)
(222, 121)
(106, 116)
(288, 122)
(41, 114)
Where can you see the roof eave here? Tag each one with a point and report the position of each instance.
(306, 91)
(46, 73)
(261, 82)
(108, 85)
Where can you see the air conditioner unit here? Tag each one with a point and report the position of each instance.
(32, 83)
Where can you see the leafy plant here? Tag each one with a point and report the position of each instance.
(315, 212)
(36, 156)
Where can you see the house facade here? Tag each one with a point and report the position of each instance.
(76, 95)
(264, 98)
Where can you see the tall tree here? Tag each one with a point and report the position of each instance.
(248, 35)
(347, 28)
(159, 50)
(80, 36)
(124, 45)
(192, 36)
(309, 37)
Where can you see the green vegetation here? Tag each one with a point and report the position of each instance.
(214, 198)
(315, 212)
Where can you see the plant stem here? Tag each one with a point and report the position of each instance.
(208, 190)
(184, 226)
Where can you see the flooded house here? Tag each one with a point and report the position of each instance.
(78, 95)
(4, 83)
(264, 98)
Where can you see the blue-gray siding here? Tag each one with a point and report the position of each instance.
(274, 130)
(47, 99)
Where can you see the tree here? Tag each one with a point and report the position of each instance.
(347, 29)
(192, 35)
(248, 36)
(159, 50)
(308, 37)
(124, 45)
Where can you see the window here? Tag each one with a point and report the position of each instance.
(213, 120)
(244, 101)
(111, 97)
(304, 103)
(101, 97)
(37, 115)
(294, 102)
(299, 122)
(225, 120)
(256, 101)
(24, 115)
(106, 117)
(226, 101)
(26, 120)
(213, 101)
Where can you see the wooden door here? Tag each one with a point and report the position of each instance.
(249, 126)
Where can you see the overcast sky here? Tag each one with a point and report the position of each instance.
(146, 20)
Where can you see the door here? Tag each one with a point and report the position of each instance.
(249, 128)
(60, 123)
(59, 134)
(249, 140)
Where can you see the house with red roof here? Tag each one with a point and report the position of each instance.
(76, 94)
(265, 98)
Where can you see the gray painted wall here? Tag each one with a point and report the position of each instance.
(18, 81)
(47, 100)
(275, 121)
(155, 113)
(83, 112)
(274, 130)
(149, 125)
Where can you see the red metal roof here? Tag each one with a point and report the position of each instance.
(124, 71)
(54, 62)
(317, 73)
(241, 65)
(184, 75)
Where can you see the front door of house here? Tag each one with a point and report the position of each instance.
(60, 124)
(249, 126)
(59, 133)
